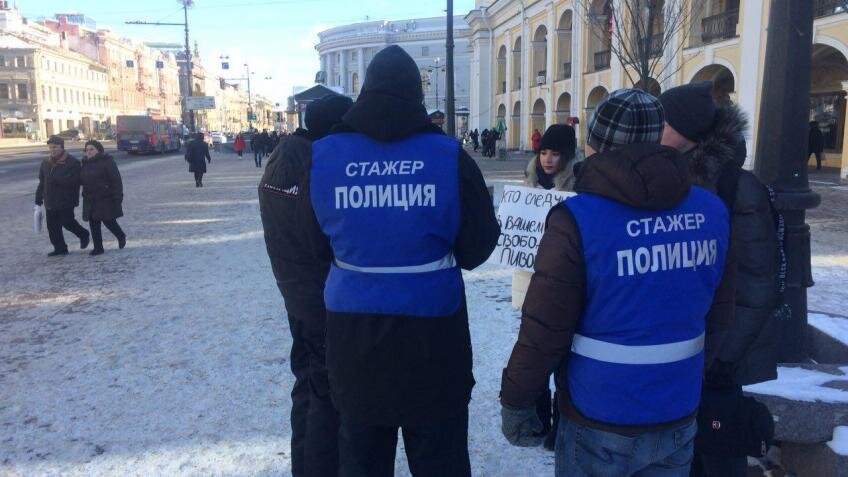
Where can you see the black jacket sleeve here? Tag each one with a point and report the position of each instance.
(116, 185)
(551, 311)
(39, 191)
(755, 249)
(479, 229)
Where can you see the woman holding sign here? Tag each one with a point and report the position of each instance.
(552, 168)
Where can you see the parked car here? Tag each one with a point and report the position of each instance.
(72, 135)
(218, 137)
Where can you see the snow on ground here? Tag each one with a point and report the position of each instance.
(170, 357)
(839, 444)
(834, 326)
(800, 384)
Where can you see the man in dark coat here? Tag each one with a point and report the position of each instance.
(300, 258)
(815, 143)
(614, 311)
(197, 155)
(398, 343)
(712, 138)
(58, 190)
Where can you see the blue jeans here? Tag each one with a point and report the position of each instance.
(583, 452)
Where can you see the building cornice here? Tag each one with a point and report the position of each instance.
(387, 39)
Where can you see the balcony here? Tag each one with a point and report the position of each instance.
(565, 72)
(826, 8)
(541, 78)
(602, 60)
(719, 27)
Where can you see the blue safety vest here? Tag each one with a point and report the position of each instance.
(638, 352)
(392, 213)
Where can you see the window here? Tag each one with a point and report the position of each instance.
(425, 51)
(43, 92)
(4, 91)
(50, 92)
(20, 62)
(2, 61)
(65, 95)
(23, 92)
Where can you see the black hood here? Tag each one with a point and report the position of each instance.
(390, 106)
(645, 176)
(724, 143)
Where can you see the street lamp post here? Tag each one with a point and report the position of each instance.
(435, 69)
(781, 157)
(449, 76)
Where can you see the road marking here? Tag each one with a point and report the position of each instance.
(823, 182)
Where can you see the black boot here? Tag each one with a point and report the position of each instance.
(122, 241)
(96, 251)
(57, 253)
(84, 240)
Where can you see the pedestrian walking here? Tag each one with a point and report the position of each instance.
(300, 259)
(197, 155)
(58, 190)
(404, 207)
(239, 145)
(484, 137)
(617, 303)
(102, 195)
(815, 144)
(536, 141)
(712, 139)
(475, 139)
(265, 144)
(551, 169)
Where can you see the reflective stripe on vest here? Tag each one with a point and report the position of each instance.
(648, 354)
(444, 263)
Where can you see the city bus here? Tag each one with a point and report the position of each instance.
(144, 134)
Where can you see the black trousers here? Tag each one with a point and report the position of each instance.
(58, 218)
(314, 419)
(438, 449)
(97, 236)
(257, 157)
(198, 179)
(818, 158)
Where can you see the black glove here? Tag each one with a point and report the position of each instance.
(521, 427)
(39, 203)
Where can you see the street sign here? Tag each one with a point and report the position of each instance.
(200, 102)
(251, 117)
(130, 63)
(225, 66)
(160, 64)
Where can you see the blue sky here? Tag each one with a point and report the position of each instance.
(276, 37)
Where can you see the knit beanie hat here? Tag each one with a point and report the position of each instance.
(324, 113)
(560, 138)
(690, 109)
(626, 116)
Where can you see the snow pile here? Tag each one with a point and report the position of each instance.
(833, 326)
(839, 444)
(800, 384)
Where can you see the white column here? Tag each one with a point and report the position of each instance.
(483, 112)
(748, 83)
(324, 67)
(672, 54)
(577, 55)
(616, 68)
(843, 171)
(343, 71)
(526, 80)
(551, 47)
(361, 57)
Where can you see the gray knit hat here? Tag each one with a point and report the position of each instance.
(626, 116)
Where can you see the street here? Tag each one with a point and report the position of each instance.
(171, 356)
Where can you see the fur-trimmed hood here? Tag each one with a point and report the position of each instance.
(563, 180)
(724, 143)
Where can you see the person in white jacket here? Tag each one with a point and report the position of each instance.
(551, 169)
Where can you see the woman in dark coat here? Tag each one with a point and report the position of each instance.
(102, 195)
(196, 152)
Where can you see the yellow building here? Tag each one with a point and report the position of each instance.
(537, 62)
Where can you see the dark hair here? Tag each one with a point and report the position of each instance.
(96, 145)
(199, 136)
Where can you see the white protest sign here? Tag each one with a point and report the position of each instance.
(521, 215)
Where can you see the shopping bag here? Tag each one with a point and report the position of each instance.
(38, 219)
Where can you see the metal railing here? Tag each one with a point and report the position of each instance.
(825, 8)
(602, 60)
(719, 27)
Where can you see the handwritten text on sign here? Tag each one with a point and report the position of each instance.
(521, 215)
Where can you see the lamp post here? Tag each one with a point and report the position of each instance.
(436, 68)
(781, 156)
(449, 77)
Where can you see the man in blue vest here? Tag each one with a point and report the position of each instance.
(625, 275)
(405, 208)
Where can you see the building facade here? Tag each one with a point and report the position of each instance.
(536, 63)
(346, 52)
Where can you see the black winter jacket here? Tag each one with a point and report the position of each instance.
(58, 183)
(389, 370)
(197, 155)
(300, 253)
(102, 189)
(749, 351)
